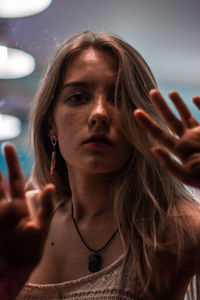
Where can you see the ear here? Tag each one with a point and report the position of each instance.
(51, 127)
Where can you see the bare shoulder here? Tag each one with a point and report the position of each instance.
(191, 210)
(188, 217)
(183, 227)
(182, 246)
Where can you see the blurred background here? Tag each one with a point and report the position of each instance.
(166, 33)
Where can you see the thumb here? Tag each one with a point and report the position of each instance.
(47, 205)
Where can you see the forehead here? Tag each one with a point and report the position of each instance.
(92, 62)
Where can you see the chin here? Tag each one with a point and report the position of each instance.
(100, 168)
(94, 166)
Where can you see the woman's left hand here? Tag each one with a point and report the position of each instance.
(183, 142)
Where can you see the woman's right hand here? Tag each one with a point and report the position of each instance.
(22, 237)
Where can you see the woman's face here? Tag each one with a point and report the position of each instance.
(85, 119)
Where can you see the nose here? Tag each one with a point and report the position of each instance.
(100, 115)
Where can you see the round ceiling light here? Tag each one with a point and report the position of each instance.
(10, 127)
(22, 8)
(15, 63)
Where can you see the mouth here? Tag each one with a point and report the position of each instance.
(99, 139)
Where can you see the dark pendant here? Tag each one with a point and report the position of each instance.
(94, 263)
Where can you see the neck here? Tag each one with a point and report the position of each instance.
(91, 194)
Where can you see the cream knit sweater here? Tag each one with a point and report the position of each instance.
(103, 285)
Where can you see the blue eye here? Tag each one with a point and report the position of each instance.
(77, 98)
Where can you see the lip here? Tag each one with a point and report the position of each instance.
(98, 140)
(97, 146)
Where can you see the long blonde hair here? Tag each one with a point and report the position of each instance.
(145, 194)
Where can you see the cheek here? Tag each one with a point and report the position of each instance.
(66, 123)
(124, 153)
(124, 149)
(68, 128)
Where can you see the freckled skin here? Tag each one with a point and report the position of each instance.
(72, 122)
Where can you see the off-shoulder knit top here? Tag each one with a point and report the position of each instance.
(103, 285)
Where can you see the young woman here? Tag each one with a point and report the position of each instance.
(112, 223)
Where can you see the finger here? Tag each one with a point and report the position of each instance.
(183, 110)
(196, 101)
(154, 130)
(2, 188)
(16, 179)
(167, 115)
(46, 210)
(170, 164)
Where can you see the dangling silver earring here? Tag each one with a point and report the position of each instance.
(53, 154)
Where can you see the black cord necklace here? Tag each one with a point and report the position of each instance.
(94, 260)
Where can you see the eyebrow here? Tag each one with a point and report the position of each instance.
(84, 84)
(76, 84)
